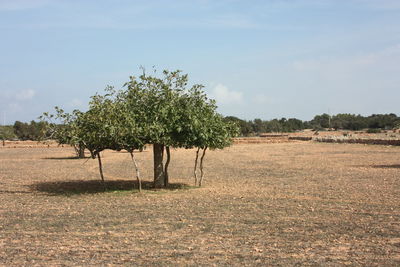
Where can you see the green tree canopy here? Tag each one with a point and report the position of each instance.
(171, 114)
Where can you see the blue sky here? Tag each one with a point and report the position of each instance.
(258, 59)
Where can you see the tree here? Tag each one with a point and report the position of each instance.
(170, 114)
(321, 121)
(274, 126)
(153, 100)
(6, 132)
(245, 127)
(349, 122)
(293, 124)
(258, 126)
(201, 127)
(383, 121)
(217, 135)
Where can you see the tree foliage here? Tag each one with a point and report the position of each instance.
(173, 115)
(7, 132)
(30, 131)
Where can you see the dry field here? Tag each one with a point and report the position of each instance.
(297, 203)
(384, 135)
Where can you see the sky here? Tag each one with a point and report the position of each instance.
(259, 58)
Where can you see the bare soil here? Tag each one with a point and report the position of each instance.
(297, 203)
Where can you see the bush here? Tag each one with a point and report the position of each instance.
(374, 130)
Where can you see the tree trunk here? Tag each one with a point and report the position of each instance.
(137, 172)
(166, 177)
(201, 166)
(195, 166)
(81, 152)
(101, 171)
(158, 155)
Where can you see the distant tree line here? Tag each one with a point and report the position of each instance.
(257, 126)
(343, 121)
(28, 131)
(356, 122)
(24, 131)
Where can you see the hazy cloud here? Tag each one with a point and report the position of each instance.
(224, 96)
(25, 95)
(231, 21)
(381, 4)
(306, 65)
(381, 59)
(14, 107)
(125, 15)
(21, 4)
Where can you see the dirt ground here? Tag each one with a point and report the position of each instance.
(298, 203)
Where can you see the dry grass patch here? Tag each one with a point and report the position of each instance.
(261, 204)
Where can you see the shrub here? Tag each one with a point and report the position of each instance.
(374, 130)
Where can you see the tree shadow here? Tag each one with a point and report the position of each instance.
(14, 192)
(135, 151)
(77, 187)
(65, 158)
(392, 166)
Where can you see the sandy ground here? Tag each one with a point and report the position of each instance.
(293, 203)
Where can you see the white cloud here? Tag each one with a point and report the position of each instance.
(224, 96)
(25, 95)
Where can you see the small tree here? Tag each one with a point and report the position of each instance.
(201, 127)
(154, 101)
